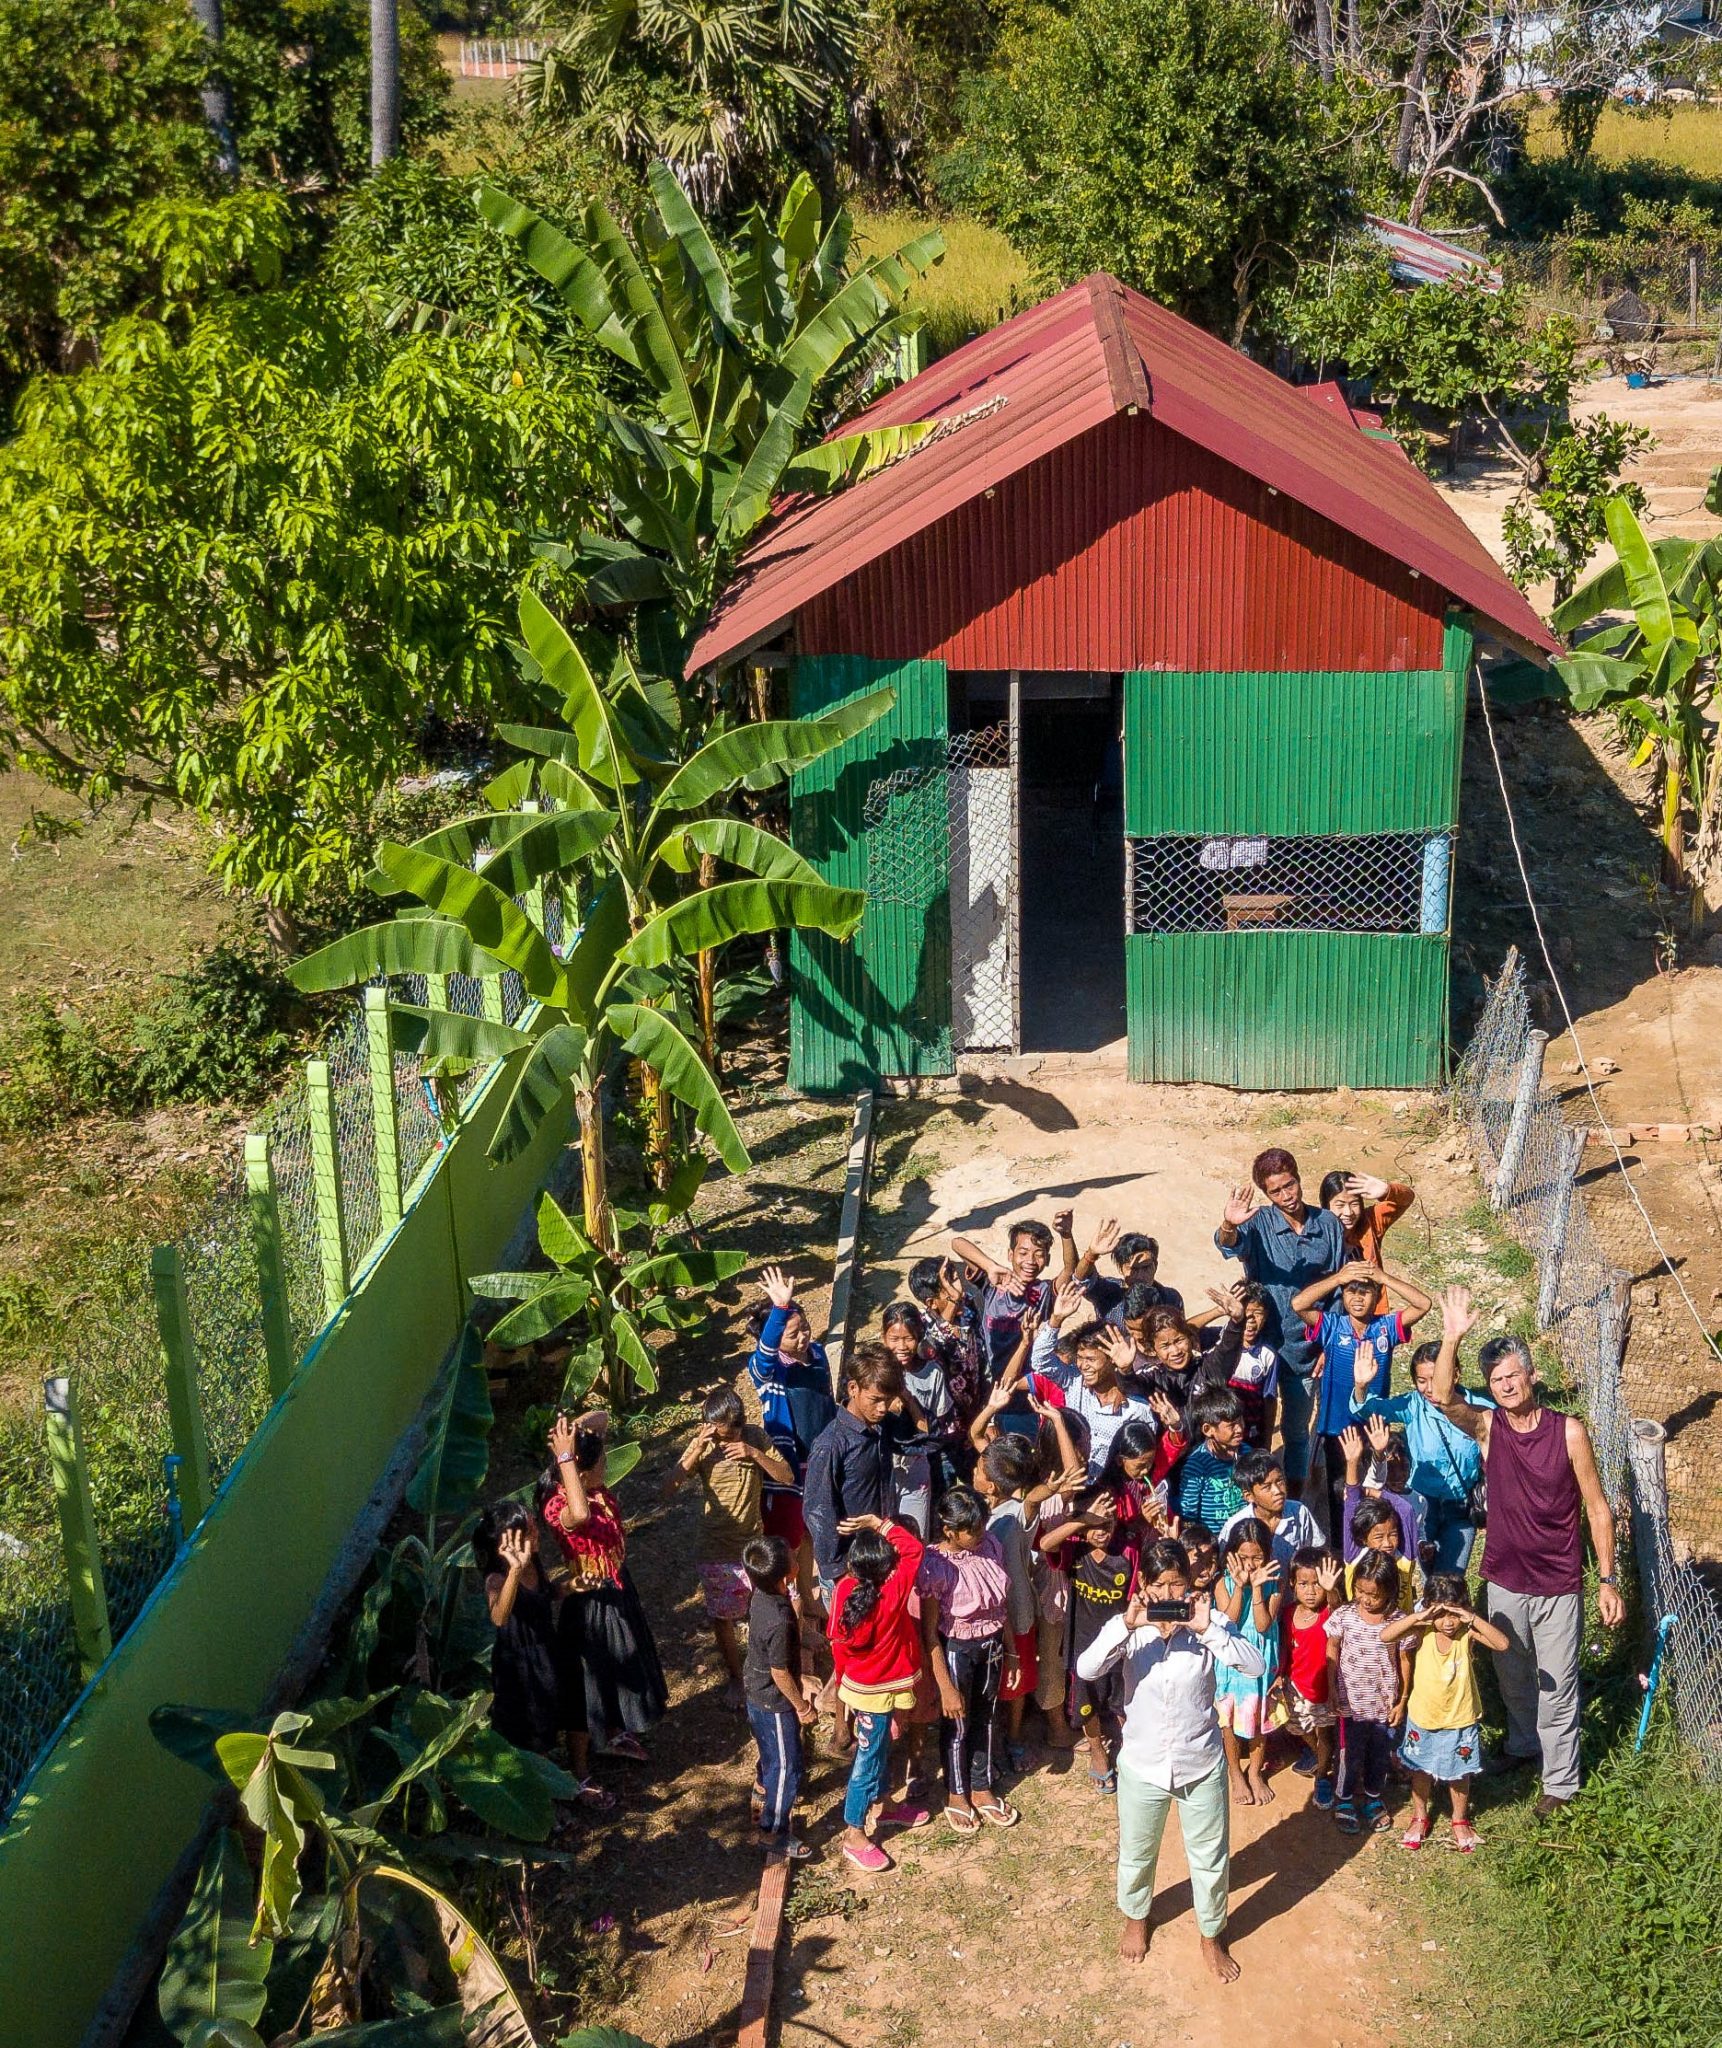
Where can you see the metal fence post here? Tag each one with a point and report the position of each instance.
(265, 1212)
(1646, 1452)
(1519, 1129)
(326, 1178)
(91, 1629)
(179, 1371)
(383, 1110)
(1555, 1235)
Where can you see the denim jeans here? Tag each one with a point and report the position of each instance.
(1297, 1411)
(1448, 1525)
(872, 1765)
(779, 1737)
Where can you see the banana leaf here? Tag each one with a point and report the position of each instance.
(731, 909)
(213, 1970)
(651, 1036)
(538, 1088)
(761, 754)
(488, 917)
(738, 844)
(405, 945)
(452, 1034)
(543, 1312)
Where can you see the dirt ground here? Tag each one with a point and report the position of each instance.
(1006, 1938)
(1645, 991)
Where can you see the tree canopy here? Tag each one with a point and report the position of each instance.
(1176, 143)
(242, 569)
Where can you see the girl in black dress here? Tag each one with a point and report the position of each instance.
(537, 1677)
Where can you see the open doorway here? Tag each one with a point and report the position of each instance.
(1071, 801)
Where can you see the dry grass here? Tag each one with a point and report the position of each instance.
(1686, 136)
(981, 281)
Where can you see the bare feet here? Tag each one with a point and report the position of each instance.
(1219, 1958)
(1241, 1792)
(1133, 1941)
(1262, 1791)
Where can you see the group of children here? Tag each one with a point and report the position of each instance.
(936, 1544)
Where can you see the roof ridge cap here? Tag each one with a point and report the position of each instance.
(1126, 373)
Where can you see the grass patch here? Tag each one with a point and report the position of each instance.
(981, 281)
(1684, 137)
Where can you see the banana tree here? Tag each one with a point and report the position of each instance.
(734, 368)
(1655, 670)
(633, 821)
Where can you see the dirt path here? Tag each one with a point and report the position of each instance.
(1006, 1938)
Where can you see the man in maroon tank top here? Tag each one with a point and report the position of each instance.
(1542, 1474)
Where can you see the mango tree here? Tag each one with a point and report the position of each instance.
(633, 821)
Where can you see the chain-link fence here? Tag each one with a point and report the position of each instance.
(1529, 1153)
(1363, 882)
(111, 1352)
(946, 830)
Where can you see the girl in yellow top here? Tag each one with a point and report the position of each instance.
(1442, 1744)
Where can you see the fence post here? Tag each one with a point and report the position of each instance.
(91, 1629)
(1555, 1236)
(1692, 287)
(265, 1212)
(1647, 1460)
(326, 1179)
(1519, 1129)
(383, 1113)
(495, 998)
(179, 1371)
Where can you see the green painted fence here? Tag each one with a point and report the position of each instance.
(107, 1812)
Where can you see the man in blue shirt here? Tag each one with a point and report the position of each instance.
(1283, 1245)
(1445, 1463)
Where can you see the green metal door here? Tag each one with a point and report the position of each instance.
(872, 815)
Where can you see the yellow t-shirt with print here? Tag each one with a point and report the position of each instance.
(1443, 1683)
(1407, 1583)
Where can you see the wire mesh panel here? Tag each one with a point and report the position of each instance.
(954, 816)
(1376, 882)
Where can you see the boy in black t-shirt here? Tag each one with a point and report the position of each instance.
(779, 1697)
(1100, 1576)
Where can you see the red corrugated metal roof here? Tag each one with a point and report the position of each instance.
(1419, 257)
(1053, 372)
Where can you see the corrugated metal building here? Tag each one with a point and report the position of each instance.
(1180, 660)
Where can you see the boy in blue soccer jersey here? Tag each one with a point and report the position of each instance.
(1349, 1335)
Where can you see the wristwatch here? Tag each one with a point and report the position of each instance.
(1607, 1579)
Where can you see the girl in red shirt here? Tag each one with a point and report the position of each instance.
(1302, 1690)
(625, 1689)
(876, 1653)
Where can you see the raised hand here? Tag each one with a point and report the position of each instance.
(1366, 1185)
(1351, 1442)
(1119, 1347)
(1166, 1411)
(1329, 1572)
(1266, 1574)
(1238, 1207)
(1201, 1612)
(1104, 1238)
(854, 1523)
(1029, 1327)
(779, 1288)
(1135, 1612)
(1065, 1303)
(561, 1439)
(1062, 1221)
(1458, 1317)
(1380, 1436)
(1102, 1508)
(515, 1549)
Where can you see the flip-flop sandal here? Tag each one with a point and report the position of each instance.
(1104, 1781)
(630, 1747)
(1377, 1817)
(961, 1823)
(1345, 1819)
(1003, 1815)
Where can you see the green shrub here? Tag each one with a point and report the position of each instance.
(54, 1068)
(219, 1031)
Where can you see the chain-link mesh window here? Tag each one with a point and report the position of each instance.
(1375, 882)
(955, 818)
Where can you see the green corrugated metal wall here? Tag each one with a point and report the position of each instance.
(883, 1004)
(1287, 1009)
(1300, 754)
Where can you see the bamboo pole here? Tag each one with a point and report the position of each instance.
(1519, 1128)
